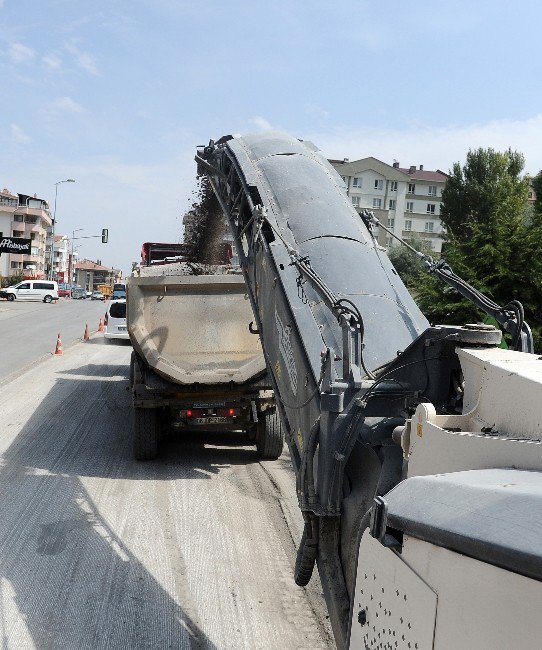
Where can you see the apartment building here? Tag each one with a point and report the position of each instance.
(90, 274)
(8, 204)
(406, 200)
(22, 215)
(61, 258)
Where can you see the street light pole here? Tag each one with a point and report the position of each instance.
(71, 269)
(52, 256)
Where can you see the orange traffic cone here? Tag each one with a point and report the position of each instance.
(58, 349)
(86, 335)
(101, 326)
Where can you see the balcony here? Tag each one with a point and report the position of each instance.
(35, 212)
(26, 258)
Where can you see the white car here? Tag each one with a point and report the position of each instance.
(44, 290)
(115, 320)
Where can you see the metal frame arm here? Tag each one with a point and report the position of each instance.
(510, 317)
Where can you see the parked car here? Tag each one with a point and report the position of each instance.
(43, 290)
(78, 293)
(115, 320)
(96, 295)
(64, 293)
(89, 294)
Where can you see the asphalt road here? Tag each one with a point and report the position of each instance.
(28, 330)
(193, 550)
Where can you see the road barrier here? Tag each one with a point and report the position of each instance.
(101, 326)
(58, 349)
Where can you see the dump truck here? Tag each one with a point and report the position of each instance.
(197, 363)
(106, 290)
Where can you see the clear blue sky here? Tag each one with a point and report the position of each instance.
(118, 94)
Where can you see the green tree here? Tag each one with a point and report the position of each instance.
(407, 264)
(10, 280)
(488, 241)
(536, 183)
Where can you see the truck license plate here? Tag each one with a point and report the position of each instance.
(209, 420)
(122, 329)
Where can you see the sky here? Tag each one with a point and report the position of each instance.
(118, 95)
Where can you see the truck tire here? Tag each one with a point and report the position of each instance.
(145, 433)
(269, 435)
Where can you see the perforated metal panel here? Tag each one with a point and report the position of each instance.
(393, 607)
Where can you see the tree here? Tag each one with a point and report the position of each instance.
(536, 183)
(10, 280)
(407, 264)
(488, 240)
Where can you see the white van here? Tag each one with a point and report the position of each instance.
(115, 321)
(45, 290)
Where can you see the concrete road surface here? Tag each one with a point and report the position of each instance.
(193, 550)
(28, 330)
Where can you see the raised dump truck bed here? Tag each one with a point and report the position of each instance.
(195, 329)
(196, 364)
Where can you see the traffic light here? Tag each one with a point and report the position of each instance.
(105, 235)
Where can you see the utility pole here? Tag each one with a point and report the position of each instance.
(52, 255)
(71, 266)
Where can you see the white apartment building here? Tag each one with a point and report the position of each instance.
(406, 200)
(29, 217)
(61, 258)
(8, 205)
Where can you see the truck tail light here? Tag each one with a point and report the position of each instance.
(228, 412)
(193, 413)
(106, 318)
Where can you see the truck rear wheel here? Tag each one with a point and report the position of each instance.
(146, 430)
(269, 435)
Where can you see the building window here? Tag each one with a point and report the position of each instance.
(377, 203)
(408, 224)
(409, 206)
(15, 265)
(34, 251)
(31, 219)
(432, 190)
(391, 223)
(393, 203)
(17, 233)
(379, 183)
(393, 186)
(388, 242)
(431, 208)
(429, 226)
(357, 182)
(355, 201)
(411, 188)
(18, 217)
